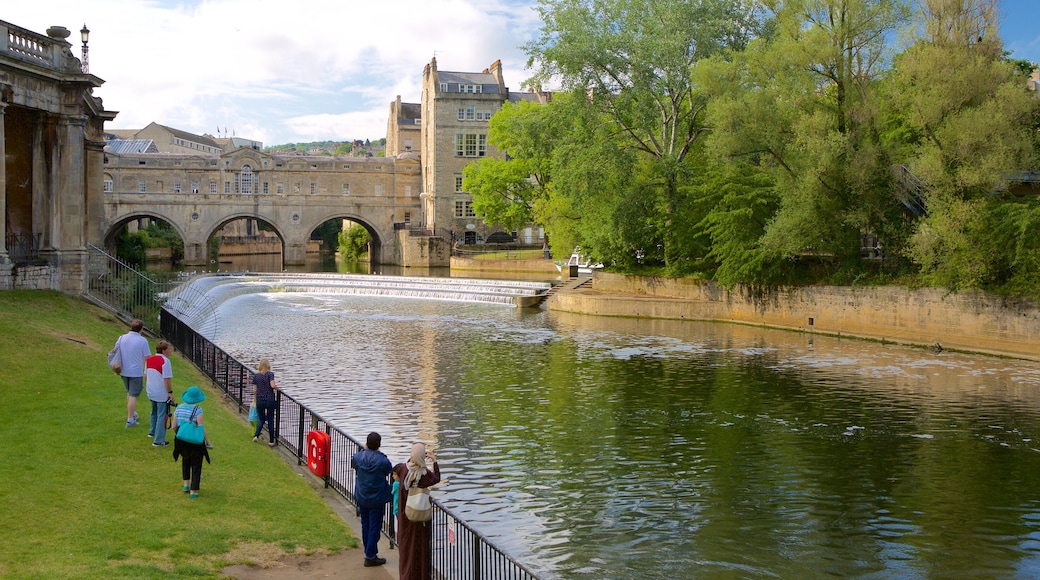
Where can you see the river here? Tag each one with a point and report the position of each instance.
(592, 447)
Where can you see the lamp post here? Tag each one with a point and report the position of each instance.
(84, 35)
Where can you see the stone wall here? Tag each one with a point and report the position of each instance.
(34, 277)
(469, 264)
(965, 321)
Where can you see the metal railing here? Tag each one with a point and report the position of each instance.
(458, 550)
(118, 286)
(23, 247)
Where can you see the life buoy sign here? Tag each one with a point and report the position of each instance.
(318, 444)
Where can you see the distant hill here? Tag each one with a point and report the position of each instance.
(357, 148)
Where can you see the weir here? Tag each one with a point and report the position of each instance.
(196, 301)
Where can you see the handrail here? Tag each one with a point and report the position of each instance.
(458, 550)
(116, 285)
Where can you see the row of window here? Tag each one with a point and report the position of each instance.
(462, 88)
(470, 144)
(242, 186)
(473, 114)
(196, 146)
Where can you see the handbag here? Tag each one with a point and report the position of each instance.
(190, 432)
(418, 507)
(254, 415)
(114, 361)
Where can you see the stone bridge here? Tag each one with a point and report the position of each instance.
(293, 195)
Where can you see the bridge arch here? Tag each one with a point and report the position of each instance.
(375, 248)
(109, 239)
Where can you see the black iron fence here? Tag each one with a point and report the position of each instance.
(459, 551)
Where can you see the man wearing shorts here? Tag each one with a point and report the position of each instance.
(133, 351)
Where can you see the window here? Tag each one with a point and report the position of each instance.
(407, 217)
(238, 183)
(458, 184)
(213, 187)
(141, 187)
(194, 186)
(281, 189)
(470, 145)
(379, 189)
(464, 209)
(469, 88)
(108, 186)
(314, 188)
(176, 187)
(265, 188)
(346, 189)
(247, 179)
(444, 87)
(227, 187)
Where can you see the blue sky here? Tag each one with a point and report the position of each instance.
(309, 70)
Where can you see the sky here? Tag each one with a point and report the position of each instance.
(310, 70)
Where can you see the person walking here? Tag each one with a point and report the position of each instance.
(158, 382)
(191, 454)
(133, 351)
(266, 401)
(372, 493)
(413, 538)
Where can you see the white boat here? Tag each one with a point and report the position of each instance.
(582, 262)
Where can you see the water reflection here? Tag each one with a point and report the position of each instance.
(627, 448)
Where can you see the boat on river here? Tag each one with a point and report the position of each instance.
(584, 264)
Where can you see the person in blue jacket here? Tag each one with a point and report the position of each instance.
(372, 492)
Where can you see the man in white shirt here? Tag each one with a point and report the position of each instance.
(158, 381)
(133, 350)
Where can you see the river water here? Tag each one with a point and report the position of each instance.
(592, 447)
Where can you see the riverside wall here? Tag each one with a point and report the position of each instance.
(964, 321)
(538, 265)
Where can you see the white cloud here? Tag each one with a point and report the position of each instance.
(275, 71)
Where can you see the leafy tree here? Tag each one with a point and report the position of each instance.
(632, 60)
(800, 103)
(966, 123)
(504, 189)
(353, 242)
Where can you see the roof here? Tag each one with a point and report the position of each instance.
(122, 146)
(410, 111)
(488, 82)
(191, 136)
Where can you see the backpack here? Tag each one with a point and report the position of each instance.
(114, 362)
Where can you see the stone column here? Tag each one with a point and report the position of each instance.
(68, 212)
(6, 266)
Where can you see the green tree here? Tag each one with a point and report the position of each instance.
(965, 122)
(632, 60)
(353, 242)
(801, 104)
(504, 189)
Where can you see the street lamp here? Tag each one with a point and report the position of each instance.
(84, 35)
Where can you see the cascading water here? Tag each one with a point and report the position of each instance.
(198, 300)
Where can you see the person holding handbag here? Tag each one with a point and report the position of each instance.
(413, 537)
(190, 442)
(266, 401)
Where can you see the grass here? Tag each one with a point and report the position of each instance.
(81, 496)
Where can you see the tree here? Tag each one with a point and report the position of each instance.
(504, 189)
(801, 104)
(966, 122)
(632, 60)
(353, 242)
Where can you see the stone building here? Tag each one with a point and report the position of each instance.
(455, 110)
(51, 139)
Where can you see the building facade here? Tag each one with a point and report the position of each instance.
(51, 139)
(455, 110)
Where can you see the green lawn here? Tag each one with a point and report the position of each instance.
(81, 496)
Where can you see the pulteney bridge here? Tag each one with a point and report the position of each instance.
(199, 194)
